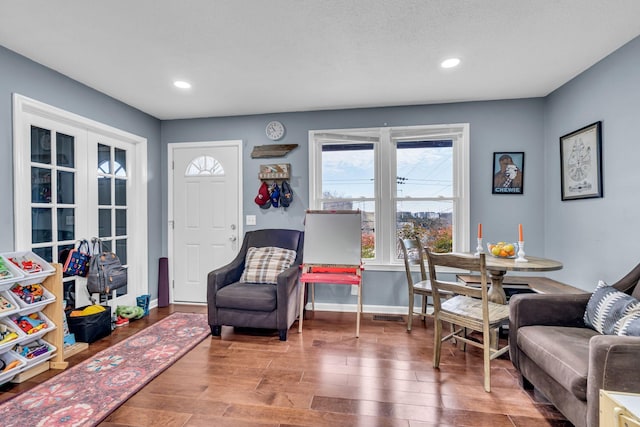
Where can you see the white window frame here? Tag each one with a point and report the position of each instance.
(27, 111)
(385, 176)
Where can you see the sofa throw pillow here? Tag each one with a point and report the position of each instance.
(262, 265)
(610, 311)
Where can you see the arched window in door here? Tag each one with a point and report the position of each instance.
(204, 166)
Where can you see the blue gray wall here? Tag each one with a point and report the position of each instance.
(25, 77)
(514, 125)
(596, 238)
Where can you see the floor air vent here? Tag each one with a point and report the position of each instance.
(388, 317)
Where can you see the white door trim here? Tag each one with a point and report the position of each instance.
(170, 171)
(23, 107)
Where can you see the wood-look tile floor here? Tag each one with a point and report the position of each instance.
(322, 377)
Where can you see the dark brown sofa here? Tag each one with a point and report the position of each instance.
(250, 305)
(565, 360)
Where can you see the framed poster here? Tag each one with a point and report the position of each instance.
(581, 163)
(508, 173)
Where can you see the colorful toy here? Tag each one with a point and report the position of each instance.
(6, 305)
(30, 324)
(4, 271)
(32, 350)
(6, 334)
(29, 294)
(26, 264)
(130, 312)
(11, 365)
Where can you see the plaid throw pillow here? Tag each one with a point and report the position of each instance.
(262, 265)
(612, 312)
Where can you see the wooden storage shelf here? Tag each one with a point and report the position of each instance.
(55, 312)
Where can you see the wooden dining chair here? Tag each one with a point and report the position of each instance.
(468, 309)
(421, 287)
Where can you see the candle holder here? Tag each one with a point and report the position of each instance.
(479, 248)
(521, 257)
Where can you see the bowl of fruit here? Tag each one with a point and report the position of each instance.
(503, 249)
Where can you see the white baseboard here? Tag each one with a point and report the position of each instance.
(351, 308)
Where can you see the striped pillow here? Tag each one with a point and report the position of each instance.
(612, 312)
(262, 265)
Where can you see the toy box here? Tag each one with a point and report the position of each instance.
(92, 327)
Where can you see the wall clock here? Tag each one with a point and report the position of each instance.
(274, 130)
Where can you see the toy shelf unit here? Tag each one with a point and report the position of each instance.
(30, 306)
(275, 172)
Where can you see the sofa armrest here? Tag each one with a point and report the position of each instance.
(226, 275)
(613, 362)
(286, 294)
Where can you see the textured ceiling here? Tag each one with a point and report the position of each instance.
(267, 56)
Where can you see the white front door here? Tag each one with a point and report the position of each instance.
(205, 203)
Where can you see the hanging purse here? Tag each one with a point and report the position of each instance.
(77, 263)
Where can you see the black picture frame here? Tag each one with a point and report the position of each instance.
(581, 163)
(508, 173)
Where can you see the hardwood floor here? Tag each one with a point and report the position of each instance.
(322, 377)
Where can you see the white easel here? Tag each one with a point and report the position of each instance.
(332, 254)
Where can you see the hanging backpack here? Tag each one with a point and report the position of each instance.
(106, 273)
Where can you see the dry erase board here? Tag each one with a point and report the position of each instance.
(332, 237)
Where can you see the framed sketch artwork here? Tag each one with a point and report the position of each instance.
(581, 163)
(508, 173)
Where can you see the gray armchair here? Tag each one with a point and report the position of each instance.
(565, 360)
(267, 306)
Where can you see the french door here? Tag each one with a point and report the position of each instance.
(77, 179)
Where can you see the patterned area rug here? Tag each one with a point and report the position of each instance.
(86, 393)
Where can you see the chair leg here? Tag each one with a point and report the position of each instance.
(437, 341)
(359, 308)
(301, 315)
(424, 310)
(486, 348)
(283, 334)
(216, 330)
(410, 316)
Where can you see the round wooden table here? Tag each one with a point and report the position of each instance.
(498, 267)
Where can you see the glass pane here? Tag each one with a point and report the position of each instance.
(121, 222)
(348, 170)
(107, 246)
(69, 294)
(121, 192)
(66, 221)
(424, 169)
(430, 221)
(368, 222)
(120, 164)
(65, 149)
(121, 250)
(104, 191)
(66, 187)
(40, 145)
(44, 253)
(204, 165)
(63, 252)
(40, 225)
(104, 223)
(40, 185)
(104, 159)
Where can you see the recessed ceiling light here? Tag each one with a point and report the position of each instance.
(182, 84)
(450, 63)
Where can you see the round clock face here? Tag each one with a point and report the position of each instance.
(274, 130)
